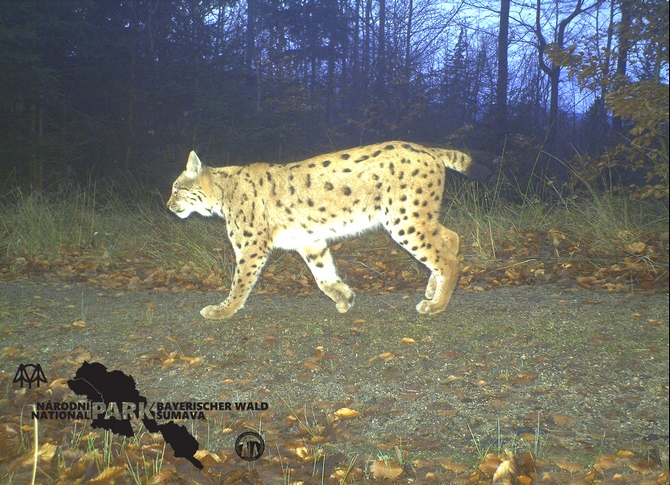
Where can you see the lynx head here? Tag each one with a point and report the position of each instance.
(192, 191)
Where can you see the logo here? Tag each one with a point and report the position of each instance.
(249, 446)
(30, 373)
(111, 401)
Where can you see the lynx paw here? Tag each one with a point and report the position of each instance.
(216, 312)
(344, 305)
(341, 294)
(428, 307)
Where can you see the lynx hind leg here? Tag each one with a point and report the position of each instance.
(452, 241)
(217, 312)
(247, 270)
(433, 245)
(320, 261)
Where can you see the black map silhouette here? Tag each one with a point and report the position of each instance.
(98, 384)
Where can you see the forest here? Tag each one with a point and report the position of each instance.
(94, 89)
(549, 366)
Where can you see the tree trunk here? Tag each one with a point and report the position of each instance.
(355, 62)
(405, 89)
(500, 117)
(622, 58)
(381, 57)
(250, 35)
(366, 45)
(550, 165)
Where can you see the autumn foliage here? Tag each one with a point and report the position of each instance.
(638, 104)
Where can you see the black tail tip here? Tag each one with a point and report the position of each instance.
(477, 171)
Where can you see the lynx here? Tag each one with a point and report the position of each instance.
(301, 206)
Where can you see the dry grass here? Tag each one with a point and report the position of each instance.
(134, 227)
(602, 222)
(109, 228)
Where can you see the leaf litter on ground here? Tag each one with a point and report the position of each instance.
(309, 443)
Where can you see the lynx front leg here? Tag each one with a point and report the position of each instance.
(321, 264)
(248, 268)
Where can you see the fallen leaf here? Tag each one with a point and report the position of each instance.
(593, 476)
(207, 458)
(382, 470)
(645, 467)
(490, 464)
(505, 472)
(564, 420)
(346, 413)
(160, 478)
(303, 453)
(605, 462)
(452, 467)
(663, 478)
(569, 467)
(109, 474)
(548, 478)
(636, 247)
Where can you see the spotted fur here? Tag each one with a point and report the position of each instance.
(301, 206)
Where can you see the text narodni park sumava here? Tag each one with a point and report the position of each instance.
(112, 402)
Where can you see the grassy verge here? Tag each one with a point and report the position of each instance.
(115, 230)
(110, 229)
(594, 225)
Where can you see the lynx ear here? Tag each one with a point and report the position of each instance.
(194, 165)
